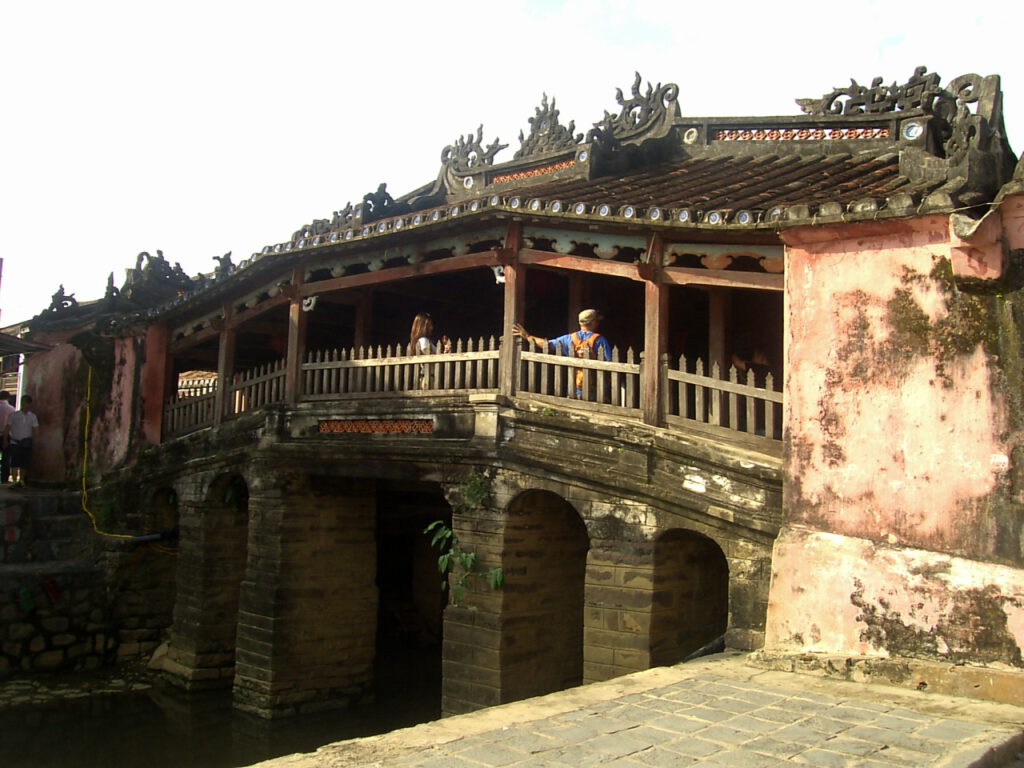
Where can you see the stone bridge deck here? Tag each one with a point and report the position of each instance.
(716, 711)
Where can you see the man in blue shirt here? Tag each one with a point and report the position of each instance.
(585, 343)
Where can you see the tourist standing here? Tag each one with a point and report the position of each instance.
(6, 409)
(20, 434)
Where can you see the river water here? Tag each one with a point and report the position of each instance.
(162, 727)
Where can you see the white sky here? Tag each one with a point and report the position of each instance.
(199, 128)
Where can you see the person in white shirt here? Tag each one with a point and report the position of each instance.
(20, 433)
(6, 409)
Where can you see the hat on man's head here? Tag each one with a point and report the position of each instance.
(588, 316)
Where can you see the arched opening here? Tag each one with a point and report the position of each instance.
(691, 595)
(410, 613)
(545, 561)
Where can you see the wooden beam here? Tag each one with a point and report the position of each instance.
(578, 263)
(761, 281)
(452, 264)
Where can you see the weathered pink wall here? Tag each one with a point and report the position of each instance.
(902, 532)
(883, 600)
(49, 378)
(57, 381)
(895, 431)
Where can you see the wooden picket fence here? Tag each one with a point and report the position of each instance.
(741, 406)
(692, 395)
(604, 385)
(374, 371)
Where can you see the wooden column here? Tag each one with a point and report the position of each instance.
(297, 322)
(515, 300)
(296, 351)
(655, 333)
(154, 382)
(720, 313)
(364, 319)
(577, 299)
(225, 370)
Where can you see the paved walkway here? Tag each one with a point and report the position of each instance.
(713, 712)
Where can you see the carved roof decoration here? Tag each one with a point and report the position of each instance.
(547, 135)
(858, 152)
(649, 115)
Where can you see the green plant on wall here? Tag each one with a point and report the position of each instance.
(457, 565)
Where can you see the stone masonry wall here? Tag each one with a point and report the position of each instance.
(307, 617)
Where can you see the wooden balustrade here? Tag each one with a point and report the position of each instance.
(191, 408)
(745, 406)
(611, 386)
(256, 387)
(355, 372)
(690, 396)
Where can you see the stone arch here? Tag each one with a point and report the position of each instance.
(545, 561)
(691, 595)
(161, 511)
(211, 566)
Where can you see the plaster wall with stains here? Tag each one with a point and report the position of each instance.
(898, 412)
(65, 401)
(902, 500)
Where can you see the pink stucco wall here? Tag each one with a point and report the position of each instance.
(57, 381)
(893, 435)
(879, 600)
(900, 487)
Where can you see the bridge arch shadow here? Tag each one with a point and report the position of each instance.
(545, 563)
(690, 606)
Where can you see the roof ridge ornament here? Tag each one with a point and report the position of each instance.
(921, 91)
(546, 133)
(642, 115)
(468, 153)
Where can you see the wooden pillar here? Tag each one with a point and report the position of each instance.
(655, 332)
(364, 319)
(720, 313)
(296, 351)
(297, 322)
(225, 372)
(577, 299)
(154, 382)
(655, 344)
(515, 300)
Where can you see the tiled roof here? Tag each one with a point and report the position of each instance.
(734, 183)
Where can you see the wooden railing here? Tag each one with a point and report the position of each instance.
(604, 385)
(256, 388)
(748, 406)
(328, 374)
(192, 407)
(690, 397)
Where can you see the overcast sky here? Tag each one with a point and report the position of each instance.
(199, 128)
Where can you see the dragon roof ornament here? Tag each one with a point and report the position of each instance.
(645, 115)
(468, 153)
(546, 133)
(922, 91)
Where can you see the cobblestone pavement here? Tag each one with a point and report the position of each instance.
(714, 712)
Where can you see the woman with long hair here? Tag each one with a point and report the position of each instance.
(421, 335)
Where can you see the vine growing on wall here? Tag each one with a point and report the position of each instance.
(457, 565)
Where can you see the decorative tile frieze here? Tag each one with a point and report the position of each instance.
(801, 134)
(530, 173)
(377, 426)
